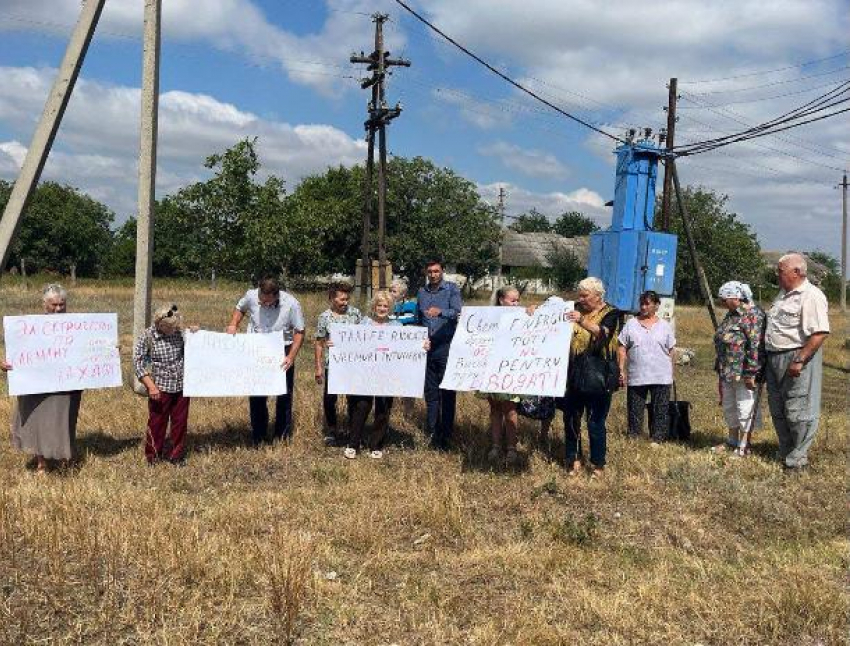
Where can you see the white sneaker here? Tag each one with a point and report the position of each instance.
(350, 453)
(376, 454)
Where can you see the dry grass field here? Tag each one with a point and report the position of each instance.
(293, 544)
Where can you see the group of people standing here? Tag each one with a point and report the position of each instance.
(780, 348)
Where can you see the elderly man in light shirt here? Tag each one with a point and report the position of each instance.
(270, 309)
(797, 326)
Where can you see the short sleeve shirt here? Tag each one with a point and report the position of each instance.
(648, 351)
(352, 316)
(795, 316)
(284, 316)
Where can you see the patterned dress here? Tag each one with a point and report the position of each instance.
(739, 344)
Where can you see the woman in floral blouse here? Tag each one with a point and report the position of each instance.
(739, 344)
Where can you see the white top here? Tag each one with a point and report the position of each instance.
(648, 351)
(795, 316)
(284, 315)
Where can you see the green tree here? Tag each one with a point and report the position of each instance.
(831, 283)
(566, 269)
(532, 222)
(728, 249)
(573, 224)
(62, 230)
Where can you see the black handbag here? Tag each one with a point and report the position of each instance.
(537, 407)
(679, 417)
(594, 374)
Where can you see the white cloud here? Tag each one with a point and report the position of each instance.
(479, 113)
(535, 163)
(521, 200)
(316, 59)
(98, 142)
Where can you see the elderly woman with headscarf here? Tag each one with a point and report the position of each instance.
(739, 345)
(593, 375)
(45, 425)
(158, 363)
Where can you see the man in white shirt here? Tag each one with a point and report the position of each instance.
(270, 309)
(797, 326)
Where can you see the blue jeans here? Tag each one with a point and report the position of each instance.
(259, 413)
(440, 403)
(575, 406)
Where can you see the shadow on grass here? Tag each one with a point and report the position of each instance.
(104, 444)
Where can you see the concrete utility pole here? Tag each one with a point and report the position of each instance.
(666, 195)
(147, 168)
(48, 125)
(379, 116)
(844, 243)
(502, 195)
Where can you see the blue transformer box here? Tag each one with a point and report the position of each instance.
(629, 257)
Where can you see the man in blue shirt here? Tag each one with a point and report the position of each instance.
(438, 308)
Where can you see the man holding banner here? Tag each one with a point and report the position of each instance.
(270, 309)
(438, 307)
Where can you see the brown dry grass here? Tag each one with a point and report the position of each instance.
(294, 544)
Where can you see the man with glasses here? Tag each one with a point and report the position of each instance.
(270, 309)
(797, 326)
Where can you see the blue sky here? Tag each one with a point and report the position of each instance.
(279, 70)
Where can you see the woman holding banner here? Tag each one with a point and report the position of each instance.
(45, 425)
(158, 363)
(503, 406)
(381, 309)
(593, 375)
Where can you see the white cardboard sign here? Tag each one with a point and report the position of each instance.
(233, 365)
(504, 350)
(471, 346)
(380, 360)
(59, 352)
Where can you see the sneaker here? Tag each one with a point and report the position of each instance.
(495, 455)
(376, 454)
(512, 457)
(596, 473)
(349, 453)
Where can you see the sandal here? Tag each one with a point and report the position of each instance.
(349, 453)
(575, 470)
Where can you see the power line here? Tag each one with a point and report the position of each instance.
(765, 98)
(771, 71)
(785, 82)
(503, 76)
(778, 124)
(796, 141)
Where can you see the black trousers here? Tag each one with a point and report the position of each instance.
(440, 403)
(329, 404)
(259, 412)
(636, 403)
(360, 412)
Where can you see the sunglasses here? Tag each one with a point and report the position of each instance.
(171, 312)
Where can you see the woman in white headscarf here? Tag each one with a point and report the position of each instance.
(739, 344)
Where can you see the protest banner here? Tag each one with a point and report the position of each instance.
(233, 365)
(380, 360)
(530, 355)
(59, 352)
(470, 348)
(504, 350)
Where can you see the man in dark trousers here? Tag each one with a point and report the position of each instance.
(438, 308)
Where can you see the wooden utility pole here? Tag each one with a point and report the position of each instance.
(666, 195)
(844, 243)
(147, 169)
(380, 115)
(48, 125)
(689, 236)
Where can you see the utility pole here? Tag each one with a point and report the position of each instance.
(378, 62)
(844, 243)
(147, 169)
(689, 236)
(48, 125)
(666, 195)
